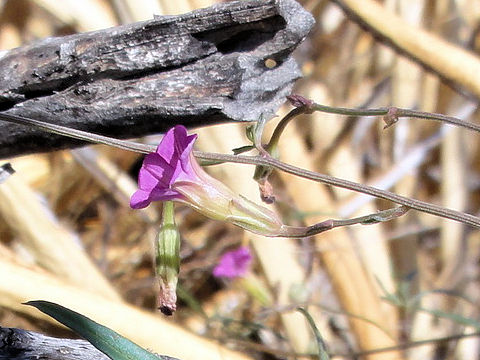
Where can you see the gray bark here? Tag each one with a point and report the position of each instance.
(18, 344)
(201, 68)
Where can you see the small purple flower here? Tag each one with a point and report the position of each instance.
(233, 263)
(160, 170)
(172, 173)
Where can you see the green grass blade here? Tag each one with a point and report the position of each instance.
(322, 348)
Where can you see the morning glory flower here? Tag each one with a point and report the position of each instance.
(172, 173)
(233, 263)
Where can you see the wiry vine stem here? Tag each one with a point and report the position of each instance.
(334, 181)
(262, 161)
(392, 114)
(79, 134)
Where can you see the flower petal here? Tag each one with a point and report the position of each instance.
(164, 195)
(155, 173)
(233, 263)
(166, 148)
(140, 199)
(175, 142)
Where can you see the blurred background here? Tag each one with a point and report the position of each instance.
(68, 235)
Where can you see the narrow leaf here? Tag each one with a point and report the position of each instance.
(243, 149)
(322, 348)
(456, 318)
(104, 339)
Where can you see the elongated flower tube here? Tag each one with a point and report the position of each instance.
(172, 173)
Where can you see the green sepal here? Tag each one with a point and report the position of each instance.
(167, 259)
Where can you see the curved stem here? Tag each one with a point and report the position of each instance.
(79, 134)
(264, 161)
(346, 184)
(282, 125)
(396, 113)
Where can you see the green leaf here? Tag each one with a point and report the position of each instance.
(250, 133)
(104, 339)
(242, 149)
(457, 318)
(322, 348)
(258, 131)
(382, 216)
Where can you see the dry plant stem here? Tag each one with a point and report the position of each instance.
(381, 216)
(401, 346)
(22, 283)
(263, 161)
(333, 181)
(391, 114)
(450, 61)
(53, 246)
(79, 134)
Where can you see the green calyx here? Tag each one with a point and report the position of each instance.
(167, 259)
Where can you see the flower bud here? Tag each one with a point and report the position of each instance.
(167, 259)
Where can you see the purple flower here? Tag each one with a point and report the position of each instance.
(172, 173)
(233, 263)
(171, 162)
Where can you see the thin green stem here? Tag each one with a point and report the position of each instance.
(322, 347)
(305, 231)
(438, 117)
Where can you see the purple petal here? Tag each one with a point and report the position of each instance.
(166, 148)
(174, 143)
(159, 171)
(155, 173)
(140, 199)
(164, 195)
(186, 157)
(176, 147)
(233, 263)
(146, 179)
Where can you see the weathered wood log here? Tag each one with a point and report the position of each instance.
(204, 67)
(18, 344)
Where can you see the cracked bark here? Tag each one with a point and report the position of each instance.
(200, 68)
